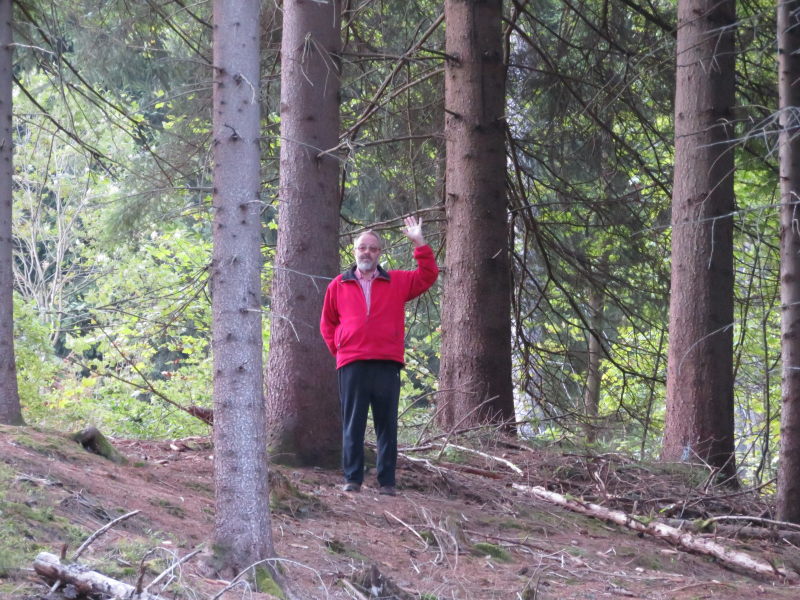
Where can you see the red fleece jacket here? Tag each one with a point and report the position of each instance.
(352, 333)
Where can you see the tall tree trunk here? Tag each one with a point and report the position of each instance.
(699, 421)
(10, 413)
(591, 394)
(302, 397)
(475, 372)
(242, 533)
(788, 499)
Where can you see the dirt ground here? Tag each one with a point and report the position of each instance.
(456, 530)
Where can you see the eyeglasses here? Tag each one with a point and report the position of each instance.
(365, 248)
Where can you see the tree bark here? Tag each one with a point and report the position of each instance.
(788, 496)
(475, 373)
(302, 396)
(10, 412)
(699, 421)
(242, 533)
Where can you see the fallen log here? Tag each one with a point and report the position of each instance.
(736, 531)
(85, 583)
(731, 558)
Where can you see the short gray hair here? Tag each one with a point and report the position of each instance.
(373, 234)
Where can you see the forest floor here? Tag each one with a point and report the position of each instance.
(458, 528)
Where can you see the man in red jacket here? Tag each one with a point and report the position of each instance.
(363, 324)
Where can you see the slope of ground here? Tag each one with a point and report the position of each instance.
(456, 530)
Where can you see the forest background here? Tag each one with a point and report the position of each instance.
(112, 209)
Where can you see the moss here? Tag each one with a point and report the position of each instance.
(283, 451)
(648, 561)
(52, 446)
(27, 511)
(9, 561)
(266, 584)
(96, 442)
(427, 535)
(285, 498)
(338, 547)
(28, 442)
(172, 509)
(200, 486)
(512, 524)
(493, 550)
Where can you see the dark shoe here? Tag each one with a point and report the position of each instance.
(387, 490)
(351, 486)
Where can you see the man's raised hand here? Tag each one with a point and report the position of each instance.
(413, 231)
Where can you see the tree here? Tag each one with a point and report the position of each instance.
(242, 534)
(699, 420)
(475, 373)
(788, 497)
(10, 412)
(588, 144)
(302, 397)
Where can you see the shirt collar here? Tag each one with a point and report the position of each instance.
(350, 274)
(359, 275)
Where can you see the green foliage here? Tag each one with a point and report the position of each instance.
(37, 364)
(146, 345)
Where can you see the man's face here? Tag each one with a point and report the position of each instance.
(367, 251)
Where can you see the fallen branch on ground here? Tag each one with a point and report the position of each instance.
(503, 461)
(681, 539)
(86, 583)
(100, 532)
(713, 527)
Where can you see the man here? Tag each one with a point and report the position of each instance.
(363, 324)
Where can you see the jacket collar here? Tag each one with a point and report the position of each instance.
(350, 274)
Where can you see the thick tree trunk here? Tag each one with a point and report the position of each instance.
(475, 372)
(788, 499)
(699, 422)
(10, 413)
(302, 396)
(242, 532)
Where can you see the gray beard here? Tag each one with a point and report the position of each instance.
(366, 265)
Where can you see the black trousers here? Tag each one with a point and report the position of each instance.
(364, 384)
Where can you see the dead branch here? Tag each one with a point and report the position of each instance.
(100, 532)
(373, 104)
(455, 427)
(443, 466)
(86, 583)
(735, 531)
(681, 539)
(387, 514)
(782, 524)
(353, 590)
(171, 568)
(508, 463)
